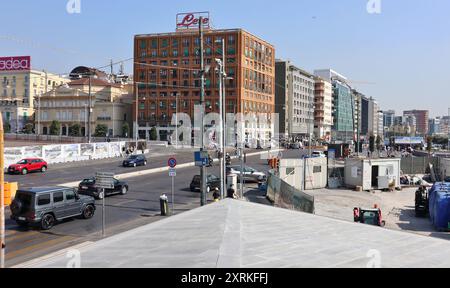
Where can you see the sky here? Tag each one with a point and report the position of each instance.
(400, 56)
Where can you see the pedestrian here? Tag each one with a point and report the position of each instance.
(231, 193)
(216, 195)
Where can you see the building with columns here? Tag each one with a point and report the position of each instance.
(69, 104)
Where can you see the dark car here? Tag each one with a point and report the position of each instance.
(88, 187)
(28, 165)
(45, 206)
(135, 160)
(212, 182)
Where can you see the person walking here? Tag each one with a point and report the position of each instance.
(216, 195)
(231, 193)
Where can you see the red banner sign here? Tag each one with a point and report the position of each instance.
(16, 63)
(192, 20)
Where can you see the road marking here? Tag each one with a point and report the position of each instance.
(48, 257)
(160, 170)
(38, 246)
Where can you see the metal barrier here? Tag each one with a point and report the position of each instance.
(286, 196)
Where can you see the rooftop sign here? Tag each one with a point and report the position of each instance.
(187, 21)
(16, 63)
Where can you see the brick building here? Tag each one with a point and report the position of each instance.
(167, 77)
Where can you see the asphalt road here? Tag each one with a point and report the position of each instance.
(139, 207)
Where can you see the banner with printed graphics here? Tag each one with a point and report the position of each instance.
(53, 154)
(71, 152)
(12, 155)
(115, 149)
(101, 150)
(87, 150)
(32, 152)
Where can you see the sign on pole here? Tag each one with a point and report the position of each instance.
(172, 163)
(104, 180)
(172, 172)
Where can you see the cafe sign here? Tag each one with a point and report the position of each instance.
(187, 21)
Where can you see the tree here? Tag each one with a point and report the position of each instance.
(125, 130)
(101, 130)
(379, 142)
(153, 134)
(55, 128)
(75, 130)
(28, 129)
(6, 127)
(372, 143)
(429, 144)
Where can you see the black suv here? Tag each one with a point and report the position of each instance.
(212, 181)
(88, 187)
(45, 206)
(135, 160)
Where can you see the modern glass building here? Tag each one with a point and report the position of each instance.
(343, 112)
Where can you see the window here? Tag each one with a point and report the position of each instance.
(317, 169)
(43, 200)
(290, 171)
(186, 52)
(165, 43)
(58, 197)
(70, 195)
(143, 44)
(154, 43)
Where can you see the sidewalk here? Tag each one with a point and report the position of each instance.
(254, 195)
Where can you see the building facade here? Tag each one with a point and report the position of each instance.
(388, 118)
(294, 96)
(167, 75)
(422, 120)
(343, 106)
(69, 105)
(323, 112)
(20, 91)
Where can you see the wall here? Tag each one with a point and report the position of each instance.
(64, 153)
(445, 167)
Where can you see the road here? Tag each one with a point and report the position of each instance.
(139, 207)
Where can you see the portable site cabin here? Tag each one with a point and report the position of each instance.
(305, 174)
(372, 173)
(445, 168)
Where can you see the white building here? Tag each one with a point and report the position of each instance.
(294, 100)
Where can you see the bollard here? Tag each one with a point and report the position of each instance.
(164, 204)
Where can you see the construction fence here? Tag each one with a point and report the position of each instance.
(54, 154)
(286, 196)
(419, 165)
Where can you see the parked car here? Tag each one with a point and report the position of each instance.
(88, 187)
(250, 174)
(28, 165)
(44, 207)
(212, 182)
(318, 154)
(135, 160)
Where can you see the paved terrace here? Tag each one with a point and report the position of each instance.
(233, 234)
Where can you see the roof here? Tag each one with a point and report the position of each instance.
(233, 234)
(94, 82)
(43, 190)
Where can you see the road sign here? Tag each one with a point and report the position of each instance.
(104, 180)
(201, 158)
(172, 172)
(172, 163)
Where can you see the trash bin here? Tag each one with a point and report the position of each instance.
(164, 204)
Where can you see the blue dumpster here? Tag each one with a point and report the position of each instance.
(440, 206)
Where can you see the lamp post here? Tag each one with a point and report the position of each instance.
(136, 129)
